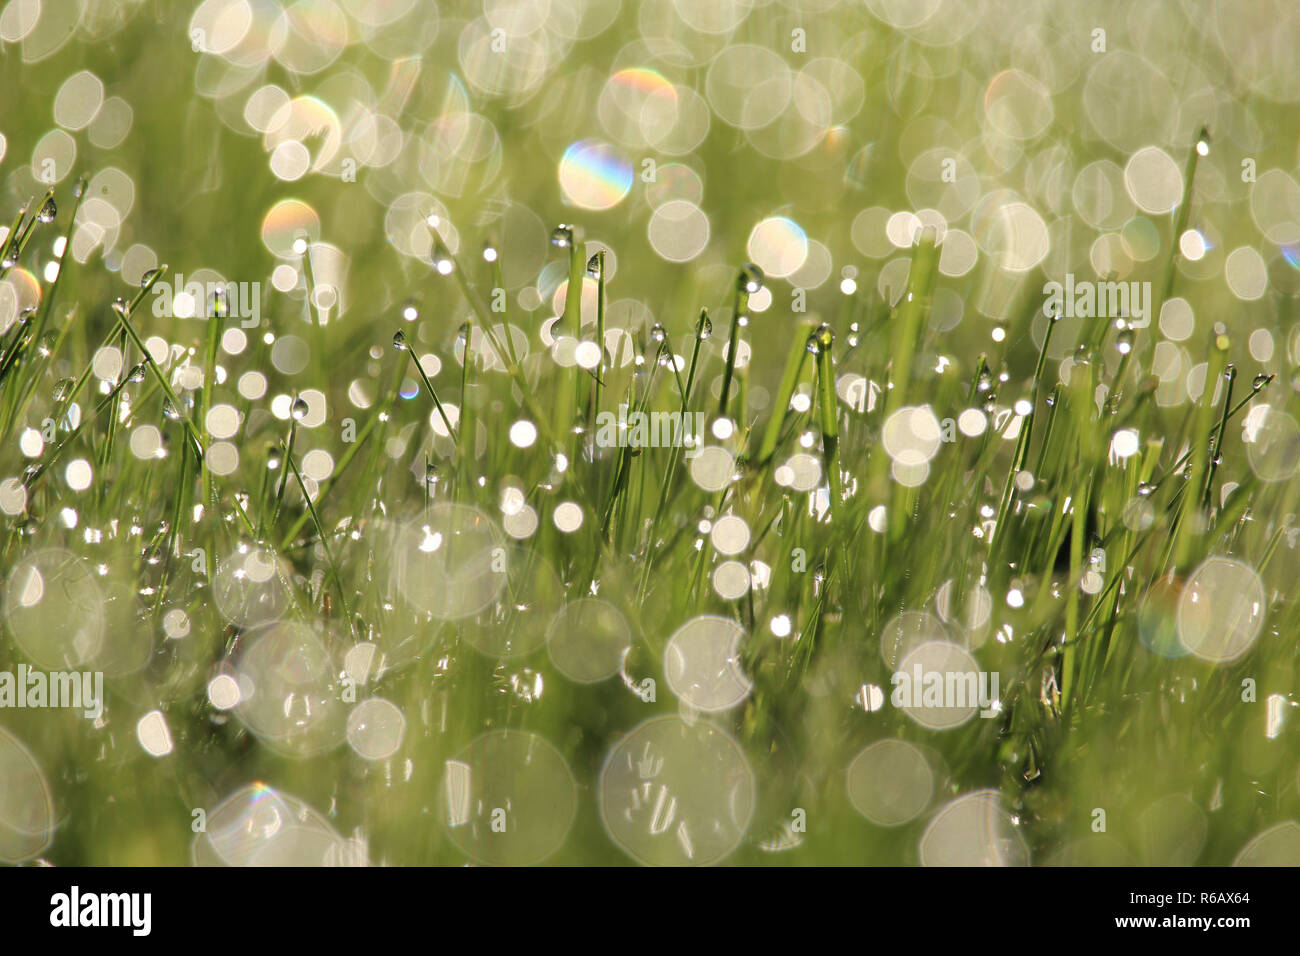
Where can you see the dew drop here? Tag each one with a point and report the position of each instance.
(47, 211)
(820, 339)
(399, 340)
(527, 685)
(562, 236)
(1203, 142)
(63, 389)
(704, 326)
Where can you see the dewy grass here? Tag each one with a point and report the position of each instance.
(437, 532)
(818, 608)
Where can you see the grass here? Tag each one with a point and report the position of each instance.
(1057, 563)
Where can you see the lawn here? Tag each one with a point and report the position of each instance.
(557, 431)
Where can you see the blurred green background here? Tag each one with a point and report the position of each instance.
(814, 139)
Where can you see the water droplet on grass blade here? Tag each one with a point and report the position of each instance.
(750, 279)
(704, 326)
(527, 685)
(399, 341)
(63, 389)
(562, 236)
(47, 211)
(820, 339)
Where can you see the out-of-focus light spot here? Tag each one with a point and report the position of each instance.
(567, 516)
(1192, 245)
(594, 175)
(1124, 443)
(778, 246)
(153, 734)
(523, 434)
